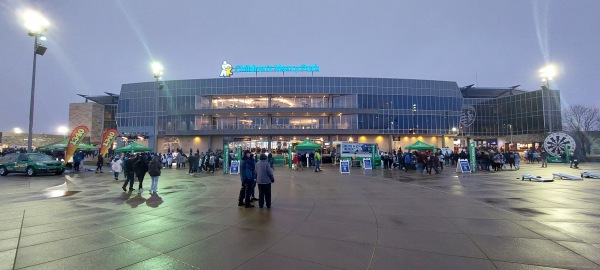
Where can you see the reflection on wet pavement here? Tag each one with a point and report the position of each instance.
(528, 212)
(318, 221)
(59, 193)
(60, 190)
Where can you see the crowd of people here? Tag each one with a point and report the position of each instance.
(487, 159)
(135, 166)
(256, 169)
(254, 174)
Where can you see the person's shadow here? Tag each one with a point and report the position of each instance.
(136, 201)
(154, 201)
(125, 195)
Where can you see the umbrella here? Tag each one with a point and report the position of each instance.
(62, 146)
(133, 147)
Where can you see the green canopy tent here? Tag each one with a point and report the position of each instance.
(133, 147)
(307, 145)
(419, 145)
(62, 146)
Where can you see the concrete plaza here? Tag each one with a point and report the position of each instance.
(377, 219)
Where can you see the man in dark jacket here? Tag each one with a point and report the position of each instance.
(247, 175)
(129, 173)
(154, 171)
(100, 163)
(270, 160)
(191, 161)
(140, 167)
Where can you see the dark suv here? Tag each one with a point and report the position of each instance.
(30, 163)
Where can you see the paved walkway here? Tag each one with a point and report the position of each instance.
(366, 220)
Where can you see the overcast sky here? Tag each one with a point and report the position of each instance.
(96, 46)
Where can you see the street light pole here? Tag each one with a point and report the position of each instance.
(32, 99)
(414, 113)
(36, 24)
(547, 73)
(157, 70)
(511, 136)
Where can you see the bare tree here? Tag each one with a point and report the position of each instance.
(581, 120)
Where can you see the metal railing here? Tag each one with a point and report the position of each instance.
(275, 126)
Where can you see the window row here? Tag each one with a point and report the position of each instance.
(301, 81)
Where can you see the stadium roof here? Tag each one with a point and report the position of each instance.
(489, 92)
(109, 99)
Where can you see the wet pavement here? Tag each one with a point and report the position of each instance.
(377, 219)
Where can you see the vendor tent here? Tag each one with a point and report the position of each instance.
(133, 147)
(62, 146)
(419, 145)
(307, 145)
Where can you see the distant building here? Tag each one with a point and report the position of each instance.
(274, 112)
(97, 115)
(19, 140)
(504, 115)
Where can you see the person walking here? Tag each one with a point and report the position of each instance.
(510, 159)
(129, 173)
(317, 160)
(164, 160)
(428, 162)
(77, 158)
(211, 163)
(247, 176)
(544, 157)
(196, 165)
(191, 161)
(407, 161)
(517, 161)
(264, 179)
(299, 162)
(294, 162)
(421, 161)
(271, 160)
(436, 163)
(154, 171)
(117, 166)
(99, 164)
(140, 167)
(170, 161)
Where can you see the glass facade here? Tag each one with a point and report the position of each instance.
(534, 112)
(110, 114)
(305, 106)
(384, 106)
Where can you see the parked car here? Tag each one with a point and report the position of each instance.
(30, 163)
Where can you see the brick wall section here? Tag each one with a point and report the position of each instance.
(90, 115)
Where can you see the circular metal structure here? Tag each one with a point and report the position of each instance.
(555, 143)
(467, 116)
